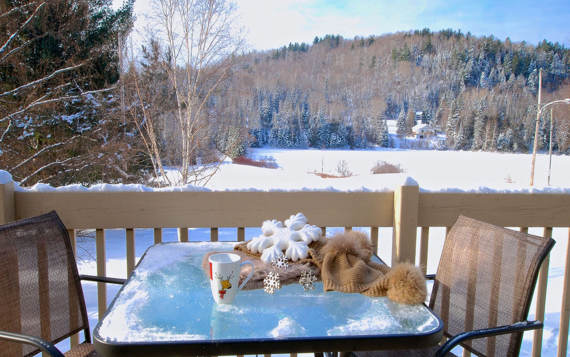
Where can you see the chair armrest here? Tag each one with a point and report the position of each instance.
(31, 340)
(500, 330)
(102, 279)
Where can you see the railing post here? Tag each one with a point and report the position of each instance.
(406, 205)
(541, 299)
(565, 310)
(183, 234)
(101, 271)
(130, 247)
(7, 202)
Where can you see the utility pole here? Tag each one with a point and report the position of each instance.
(550, 148)
(538, 112)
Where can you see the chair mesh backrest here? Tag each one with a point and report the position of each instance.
(40, 292)
(486, 277)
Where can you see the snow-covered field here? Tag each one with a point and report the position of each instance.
(432, 170)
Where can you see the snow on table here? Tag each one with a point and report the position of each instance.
(168, 298)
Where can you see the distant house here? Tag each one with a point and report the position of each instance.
(421, 117)
(423, 131)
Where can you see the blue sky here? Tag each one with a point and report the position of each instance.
(274, 23)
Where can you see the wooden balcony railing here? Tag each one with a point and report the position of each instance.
(406, 211)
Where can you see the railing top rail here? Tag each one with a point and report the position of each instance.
(503, 209)
(324, 208)
(207, 209)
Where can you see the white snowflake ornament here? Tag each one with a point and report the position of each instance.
(307, 279)
(281, 263)
(271, 283)
(292, 240)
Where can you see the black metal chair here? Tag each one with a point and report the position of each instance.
(41, 297)
(483, 289)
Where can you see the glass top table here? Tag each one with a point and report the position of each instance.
(166, 307)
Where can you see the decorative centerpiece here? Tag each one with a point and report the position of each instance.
(291, 239)
(297, 252)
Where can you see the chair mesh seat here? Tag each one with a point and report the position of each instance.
(40, 289)
(82, 350)
(485, 278)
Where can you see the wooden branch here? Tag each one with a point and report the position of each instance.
(44, 149)
(6, 131)
(15, 50)
(37, 81)
(13, 36)
(17, 8)
(75, 169)
(53, 163)
(53, 100)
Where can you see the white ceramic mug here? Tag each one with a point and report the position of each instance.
(224, 276)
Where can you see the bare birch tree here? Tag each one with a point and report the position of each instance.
(202, 42)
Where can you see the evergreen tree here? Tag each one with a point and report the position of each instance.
(479, 122)
(557, 67)
(266, 121)
(460, 139)
(338, 135)
(452, 123)
(384, 136)
(532, 82)
(401, 125)
(505, 140)
(318, 131)
(410, 122)
(280, 132)
(469, 73)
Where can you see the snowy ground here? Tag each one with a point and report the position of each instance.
(432, 170)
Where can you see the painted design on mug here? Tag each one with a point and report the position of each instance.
(225, 284)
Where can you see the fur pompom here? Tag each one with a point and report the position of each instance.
(352, 243)
(406, 284)
(345, 263)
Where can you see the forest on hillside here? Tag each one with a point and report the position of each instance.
(81, 103)
(480, 92)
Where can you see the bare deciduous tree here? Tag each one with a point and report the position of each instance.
(202, 41)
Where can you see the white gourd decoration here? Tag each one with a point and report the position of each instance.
(291, 239)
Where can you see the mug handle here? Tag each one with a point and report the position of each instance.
(249, 275)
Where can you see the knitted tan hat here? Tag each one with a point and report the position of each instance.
(346, 266)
